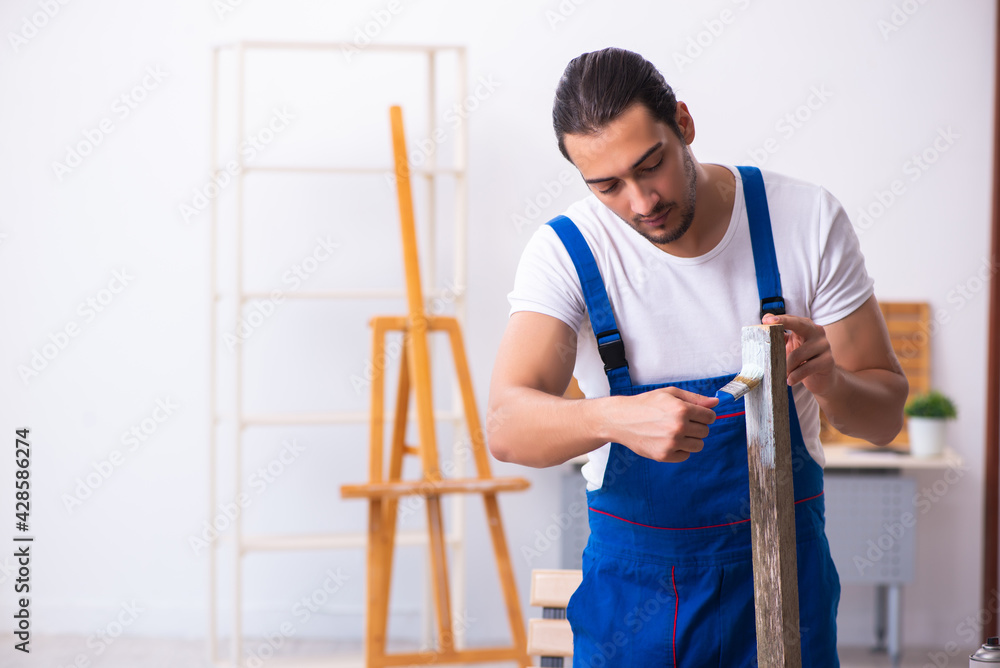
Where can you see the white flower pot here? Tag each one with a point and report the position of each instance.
(927, 436)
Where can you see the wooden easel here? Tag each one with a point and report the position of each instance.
(384, 491)
(772, 502)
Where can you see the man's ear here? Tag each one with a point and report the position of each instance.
(685, 122)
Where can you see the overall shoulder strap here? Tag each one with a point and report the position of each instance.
(602, 318)
(762, 241)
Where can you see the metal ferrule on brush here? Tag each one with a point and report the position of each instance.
(749, 378)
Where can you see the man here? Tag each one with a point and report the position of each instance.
(641, 290)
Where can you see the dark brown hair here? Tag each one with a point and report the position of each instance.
(599, 86)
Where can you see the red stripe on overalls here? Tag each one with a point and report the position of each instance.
(710, 526)
(676, 606)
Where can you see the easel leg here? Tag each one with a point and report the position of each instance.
(378, 586)
(506, 572)
(439, 574)
(382, 513)
(477, 437)
(377, 581)
(397, 449)
(419, 362)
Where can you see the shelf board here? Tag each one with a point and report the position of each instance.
(853, 457)
(321, 541)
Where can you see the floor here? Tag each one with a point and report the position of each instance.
(73, 652)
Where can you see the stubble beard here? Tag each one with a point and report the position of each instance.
(668, 236)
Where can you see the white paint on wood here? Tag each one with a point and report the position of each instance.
(772, 502)
(757, 355)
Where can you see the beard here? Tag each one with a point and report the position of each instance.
(685, 209)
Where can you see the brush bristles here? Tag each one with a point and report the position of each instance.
(749, 378)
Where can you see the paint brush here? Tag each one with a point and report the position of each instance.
(749, 377)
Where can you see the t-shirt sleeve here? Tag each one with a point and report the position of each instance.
(843, 283)
(546, 280)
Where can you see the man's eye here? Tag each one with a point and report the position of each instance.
(654, 167)
(610, 190)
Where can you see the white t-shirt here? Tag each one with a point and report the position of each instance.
(681, 318)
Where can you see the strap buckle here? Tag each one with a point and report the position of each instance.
(773, 305)
(612, 352)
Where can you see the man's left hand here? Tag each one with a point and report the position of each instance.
(850, 367)
(808, 355)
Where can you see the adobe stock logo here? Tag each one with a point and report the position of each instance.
(253, 144)
(790, 123)
(223, 7)
(914, 167)
(703, 40)
(122, 108)
(42, 358)
(136, 435)
(38, 20)
(381, 18)
(899, 17)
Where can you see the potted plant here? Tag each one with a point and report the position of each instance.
(927, 415)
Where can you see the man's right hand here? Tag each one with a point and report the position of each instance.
(665, 425)
(530, 423)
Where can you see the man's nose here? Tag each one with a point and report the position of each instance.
(643, 200)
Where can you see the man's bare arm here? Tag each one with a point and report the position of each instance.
(850, 367)
(529, 422)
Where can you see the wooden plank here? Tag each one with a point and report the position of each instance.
(552, 588)
(899, 327)
(550, 637)
(912, 364)
(772, 502)
(902, 309)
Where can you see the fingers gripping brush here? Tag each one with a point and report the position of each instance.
(749, 377)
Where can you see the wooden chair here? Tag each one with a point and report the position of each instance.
(550, 637)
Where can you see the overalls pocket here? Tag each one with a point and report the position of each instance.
(617, 618)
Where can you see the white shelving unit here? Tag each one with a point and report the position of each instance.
(247, 543)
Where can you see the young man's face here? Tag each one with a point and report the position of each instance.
(640, 169)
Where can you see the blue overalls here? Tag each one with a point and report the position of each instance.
(667, 571)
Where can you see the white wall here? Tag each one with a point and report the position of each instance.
(888, 94)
